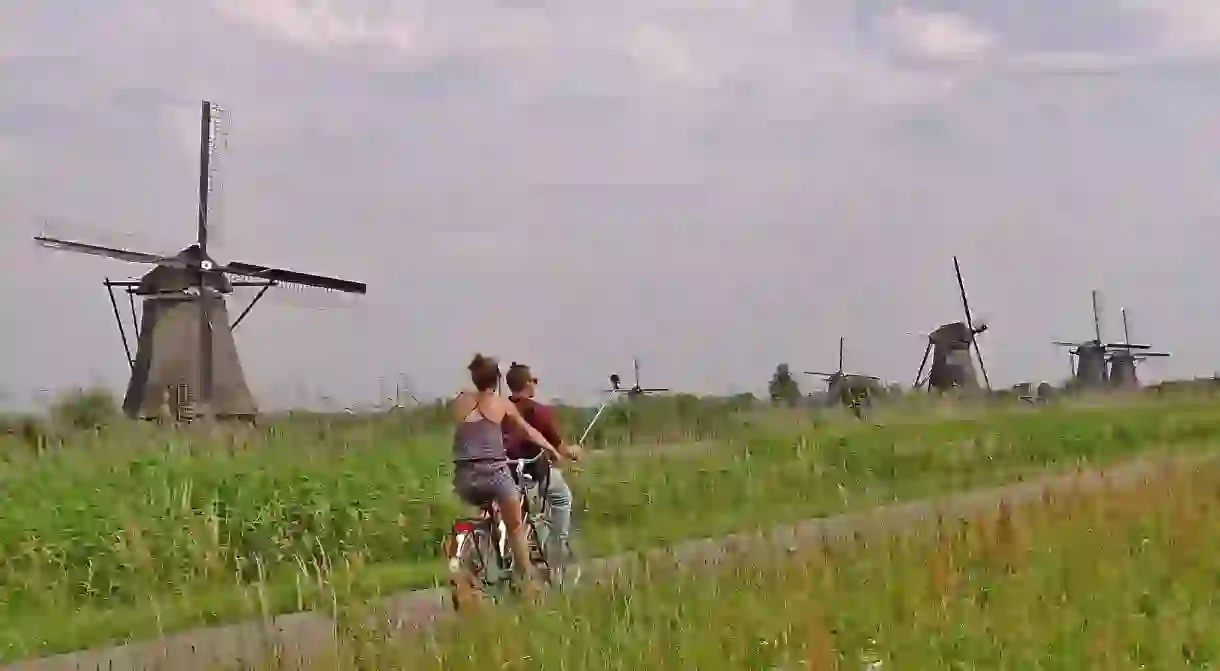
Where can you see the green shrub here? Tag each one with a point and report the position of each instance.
(91, 408)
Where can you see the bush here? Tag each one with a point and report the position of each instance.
(92, 408)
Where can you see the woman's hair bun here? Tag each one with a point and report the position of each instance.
(480, 362)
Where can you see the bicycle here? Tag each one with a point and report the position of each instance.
(476, 549)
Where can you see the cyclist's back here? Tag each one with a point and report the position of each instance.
(481, 474)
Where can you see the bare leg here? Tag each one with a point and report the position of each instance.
(519, 546)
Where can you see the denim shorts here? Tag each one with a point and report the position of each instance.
(479, 483)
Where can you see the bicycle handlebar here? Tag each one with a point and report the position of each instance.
(520, 464)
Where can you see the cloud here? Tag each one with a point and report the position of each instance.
(661, 52)
(324, 24)
(1184, 27)
(943, 37)
(1075, 63)
(714, 186)
(1171, 34)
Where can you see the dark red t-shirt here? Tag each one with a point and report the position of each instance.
(517, 442)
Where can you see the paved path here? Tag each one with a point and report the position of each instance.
(300, 637)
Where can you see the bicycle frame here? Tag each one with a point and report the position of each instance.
(489, 522)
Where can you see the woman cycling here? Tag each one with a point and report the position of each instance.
(481, 473)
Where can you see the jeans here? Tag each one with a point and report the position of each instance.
(559, 498)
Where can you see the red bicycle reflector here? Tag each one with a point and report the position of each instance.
(463, 527)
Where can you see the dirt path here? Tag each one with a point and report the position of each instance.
(307, 636)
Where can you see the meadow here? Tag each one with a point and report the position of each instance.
(1119, 578)
(133, 530)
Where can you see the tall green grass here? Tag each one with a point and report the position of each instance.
(1111, 579)
(134, 531)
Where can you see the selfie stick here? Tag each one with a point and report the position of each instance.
(614, 382)
(615, 389)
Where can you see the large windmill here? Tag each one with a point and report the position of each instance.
(850, 389)
(949, 345)
(186, 360)
(1101, 365)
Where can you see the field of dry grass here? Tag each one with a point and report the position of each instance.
(1123, 578)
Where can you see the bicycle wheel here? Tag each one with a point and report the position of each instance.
(471, 563)
(537, 534)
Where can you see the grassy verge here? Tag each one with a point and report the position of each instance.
(1118, 579)
(104, 545)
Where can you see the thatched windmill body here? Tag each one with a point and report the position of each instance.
(186, 360)
(1102, 365)
(949, 346)
(851, 390)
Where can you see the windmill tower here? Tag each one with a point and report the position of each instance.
(849, 389)
(1124, 357)
(1101, 365)
(949, 345)
(186, 360)
(1089, 370)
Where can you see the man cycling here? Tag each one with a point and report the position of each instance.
(523, 387)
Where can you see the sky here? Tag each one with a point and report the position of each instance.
(715, 187)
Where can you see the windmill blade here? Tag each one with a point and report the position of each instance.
(1096, 317)
(635, 362)
(924, 362)
(841, 354)
(814, 372)
(109, 252)
(864, 377)
(215, 126)
(1068, 344)
(298, 297)
(1123, 345)
(290, 277)
(1143, 355)
(156, 242)
(962, 289)
(969, 322)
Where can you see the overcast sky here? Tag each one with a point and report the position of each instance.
(717, 186)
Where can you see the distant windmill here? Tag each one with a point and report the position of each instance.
(850, 389)
(1123, 359)
(632, 393)
(635, 390)
(1101, 365)
(949, 345)
(186, 359)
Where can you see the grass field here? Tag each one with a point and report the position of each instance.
(1119, 579)
(136, 531)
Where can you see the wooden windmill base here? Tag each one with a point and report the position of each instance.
(163, 377)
